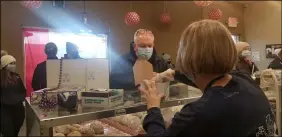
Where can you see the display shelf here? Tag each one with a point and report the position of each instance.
(40, 122)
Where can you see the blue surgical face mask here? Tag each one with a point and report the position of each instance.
(247, 54)
(144, 53)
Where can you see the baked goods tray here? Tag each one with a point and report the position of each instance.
(40, 122)
(60, 116)
(121, 127)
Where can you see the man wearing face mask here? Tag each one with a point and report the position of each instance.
(245, 63)
(122, 76)
(39, 80)
(72, 51)
(12, 96)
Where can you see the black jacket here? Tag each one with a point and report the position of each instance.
(121, 76)
(12, 109)
(238, 109)
(275, 64)
(13, 94)
(39, 79)
(242, 66)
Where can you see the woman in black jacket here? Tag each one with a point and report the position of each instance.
(232, 104)
(12, 96)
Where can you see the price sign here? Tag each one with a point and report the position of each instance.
(119, 112)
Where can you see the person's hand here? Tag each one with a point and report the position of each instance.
(152, 96)
(165, 76)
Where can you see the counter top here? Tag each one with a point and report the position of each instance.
(61, 116)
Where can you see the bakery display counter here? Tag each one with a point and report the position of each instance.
(41, 122)
(270, 82)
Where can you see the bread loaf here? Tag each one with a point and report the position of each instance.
(74, 134)
(87, 131)
(65, 129)
(97, 126)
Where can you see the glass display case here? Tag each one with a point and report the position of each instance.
(270, 82)
(41, 122)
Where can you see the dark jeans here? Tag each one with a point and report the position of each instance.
(12, 118)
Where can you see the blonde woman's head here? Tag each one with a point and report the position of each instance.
(206, 47)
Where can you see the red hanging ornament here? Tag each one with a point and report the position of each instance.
(132, 18)
(215, 14)
(203, 3)
(32, 4)
(165, 18)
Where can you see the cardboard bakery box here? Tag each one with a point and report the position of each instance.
(105, 98)
(36, 96)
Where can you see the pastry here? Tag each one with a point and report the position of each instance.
(58, 135)
(65, 129)
(134, 122)
(140, 129)
(74, 134)
(98, 128)
(73, 128)
(87, 131)
(76, 125)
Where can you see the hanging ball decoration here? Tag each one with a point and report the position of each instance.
(215, 14)
(32, 3)
(203, 3)
(165, 18)
(132, 18)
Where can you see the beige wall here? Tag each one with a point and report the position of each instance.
(13, 15)
(263, 26)
(229, 9)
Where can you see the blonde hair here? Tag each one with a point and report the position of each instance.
(206, 47)
(146, 32)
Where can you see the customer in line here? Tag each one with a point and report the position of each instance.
(232, 104)
(277, 62)
(39, 79)
(245, 63)
(72, 51)
(122, 76)
(12, 96)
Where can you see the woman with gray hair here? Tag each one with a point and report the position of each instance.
(12, 96)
